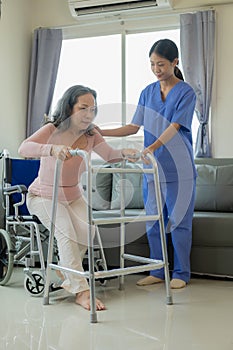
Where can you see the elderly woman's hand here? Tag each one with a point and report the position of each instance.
(131, 154)
(61, 152)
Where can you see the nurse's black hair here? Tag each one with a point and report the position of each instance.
(166, 48)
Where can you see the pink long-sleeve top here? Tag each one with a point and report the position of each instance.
(39, 146)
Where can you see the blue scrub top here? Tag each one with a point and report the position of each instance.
(175, 158)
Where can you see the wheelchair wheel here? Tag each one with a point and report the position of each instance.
(35, 284)
(6, 257)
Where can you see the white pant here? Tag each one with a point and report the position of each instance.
(71, 232)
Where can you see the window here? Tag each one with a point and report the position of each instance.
(94, 62)
(97, 62)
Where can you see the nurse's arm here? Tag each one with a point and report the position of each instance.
(126, 130)
(166, 136)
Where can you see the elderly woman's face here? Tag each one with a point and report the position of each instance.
(83, 112)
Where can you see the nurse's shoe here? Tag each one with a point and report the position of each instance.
(177, 283)
(148, 281)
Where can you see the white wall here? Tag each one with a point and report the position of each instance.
(15, 45)
(20, 18)
(222, 114)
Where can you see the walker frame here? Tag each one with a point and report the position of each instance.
(147, 263)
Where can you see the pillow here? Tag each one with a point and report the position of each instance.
(101, 189)
(132, 185)
(214, 189)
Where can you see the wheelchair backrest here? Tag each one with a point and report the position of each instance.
(20, 172)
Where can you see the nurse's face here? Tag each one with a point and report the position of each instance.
(83, 112)
(162, 68)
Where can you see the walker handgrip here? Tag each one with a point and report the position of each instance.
(73, 152)
(78, 152)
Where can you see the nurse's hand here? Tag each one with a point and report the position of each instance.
(60, 152)
(98, 129)
(144, 157)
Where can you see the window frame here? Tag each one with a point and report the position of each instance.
(124, 26)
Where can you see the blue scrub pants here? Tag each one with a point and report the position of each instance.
(178, 206)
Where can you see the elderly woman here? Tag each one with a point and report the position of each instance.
(70, 128)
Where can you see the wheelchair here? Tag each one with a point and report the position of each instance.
(22, 237)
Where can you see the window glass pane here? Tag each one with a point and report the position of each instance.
(138, 71)
(94, 62)
(195, 126)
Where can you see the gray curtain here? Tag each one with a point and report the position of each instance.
(44, 65)
(197, 37)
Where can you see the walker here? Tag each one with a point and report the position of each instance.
(147, 264)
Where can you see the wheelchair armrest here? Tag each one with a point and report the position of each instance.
(15, 189)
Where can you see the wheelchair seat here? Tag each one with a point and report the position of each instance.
(21, 173)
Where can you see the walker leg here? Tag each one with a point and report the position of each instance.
(93, 314)
(162, 230)
(46, 289)
(167, 283)
(122, 252)
(166, 267)
(121, 283)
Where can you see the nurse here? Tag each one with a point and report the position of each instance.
(165, 111)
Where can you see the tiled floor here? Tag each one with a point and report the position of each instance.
(136, 318)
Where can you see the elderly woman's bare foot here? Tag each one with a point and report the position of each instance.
(83, 299)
